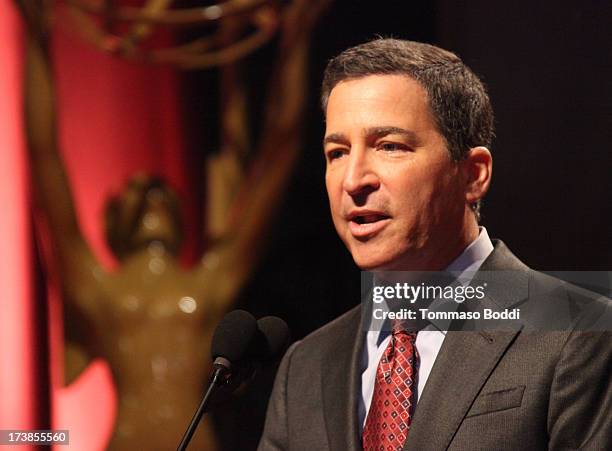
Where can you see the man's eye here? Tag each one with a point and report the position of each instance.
(334, 154)
(391, 147)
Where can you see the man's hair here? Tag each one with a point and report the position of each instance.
(457, 98)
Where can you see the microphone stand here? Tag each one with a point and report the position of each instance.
(217, 380)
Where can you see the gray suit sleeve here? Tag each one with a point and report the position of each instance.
(276, 435)
(580, 409)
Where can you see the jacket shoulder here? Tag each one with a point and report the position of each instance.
(337, 336)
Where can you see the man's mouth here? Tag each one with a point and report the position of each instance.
(368, 219)
(367, 223)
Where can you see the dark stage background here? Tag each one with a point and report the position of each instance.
(548, 68)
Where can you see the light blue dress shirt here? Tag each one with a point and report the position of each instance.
(429, 340)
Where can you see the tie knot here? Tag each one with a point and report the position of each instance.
(401, 327)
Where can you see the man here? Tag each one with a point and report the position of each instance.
(408, 126)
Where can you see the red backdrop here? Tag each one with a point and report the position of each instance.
(17, 350)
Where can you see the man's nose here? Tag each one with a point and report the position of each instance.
(360, 176)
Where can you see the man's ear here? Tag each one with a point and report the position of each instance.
(478, 168)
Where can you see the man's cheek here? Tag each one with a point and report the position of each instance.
(339, 225)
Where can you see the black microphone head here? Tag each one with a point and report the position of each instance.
(234, 335)
(276, 337)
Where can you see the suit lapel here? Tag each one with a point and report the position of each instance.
(341, 386)
(462, 367)
(464, 363)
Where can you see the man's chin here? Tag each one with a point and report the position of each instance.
(371, 263)
(386, 261)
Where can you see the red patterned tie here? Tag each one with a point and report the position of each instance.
(389, 417)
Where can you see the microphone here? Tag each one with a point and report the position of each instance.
(239, 341)
(240, 345)
(276, 338)
(232, 341)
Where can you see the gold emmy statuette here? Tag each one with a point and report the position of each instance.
(151, 319)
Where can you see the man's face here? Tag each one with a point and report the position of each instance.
(396, 197)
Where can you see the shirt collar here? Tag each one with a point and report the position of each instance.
(463, 267)
(472, 256)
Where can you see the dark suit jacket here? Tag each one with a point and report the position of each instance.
(502, 390)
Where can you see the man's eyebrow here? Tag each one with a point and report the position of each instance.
(379, 132)
(336, 138)
(373, 132)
